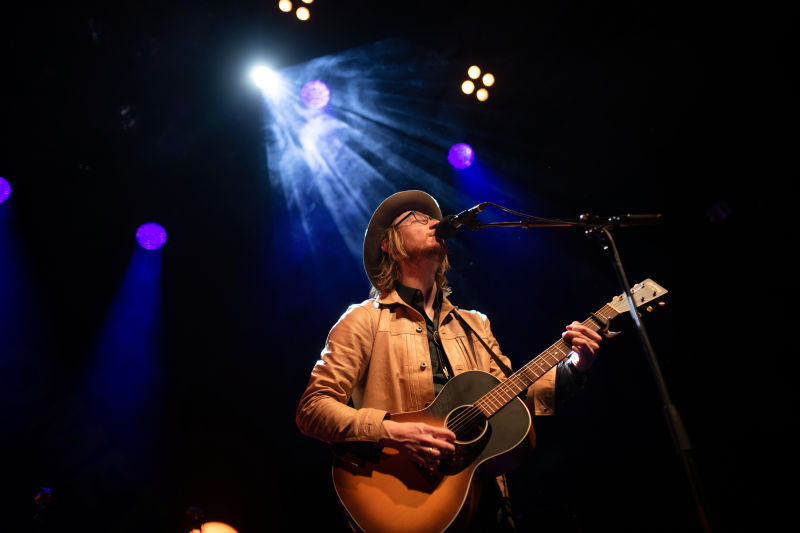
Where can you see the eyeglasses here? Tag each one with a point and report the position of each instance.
(418, 217)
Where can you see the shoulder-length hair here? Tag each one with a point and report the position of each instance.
(389, 267)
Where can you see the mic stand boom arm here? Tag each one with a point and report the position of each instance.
(599, 227)
(585, 221)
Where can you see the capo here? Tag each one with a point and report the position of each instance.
(604, 323)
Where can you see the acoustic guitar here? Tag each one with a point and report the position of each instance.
(385, 492)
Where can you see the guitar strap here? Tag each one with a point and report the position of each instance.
(504, 367)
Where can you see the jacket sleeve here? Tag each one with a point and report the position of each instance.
(323, 412)
(541, 395)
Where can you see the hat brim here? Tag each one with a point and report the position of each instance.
(383, 217)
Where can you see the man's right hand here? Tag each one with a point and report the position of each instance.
(422, 443)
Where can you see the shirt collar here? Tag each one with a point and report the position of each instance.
(414, 297)
(392, 297)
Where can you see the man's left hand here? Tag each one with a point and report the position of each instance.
(584, 342)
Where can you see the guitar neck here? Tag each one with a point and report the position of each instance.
(520, 380)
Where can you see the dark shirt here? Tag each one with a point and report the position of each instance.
(439, 365)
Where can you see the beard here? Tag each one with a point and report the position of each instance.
(436, 251)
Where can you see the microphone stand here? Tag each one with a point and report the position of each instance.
(600, 228)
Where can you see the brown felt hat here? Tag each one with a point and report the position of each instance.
(383, 217)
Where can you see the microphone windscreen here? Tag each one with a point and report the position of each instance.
(446, 229)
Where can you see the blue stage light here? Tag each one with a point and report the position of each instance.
(461, 155)
(151, 236)
(315, 94)
(5, 190)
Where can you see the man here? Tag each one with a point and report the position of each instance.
(394, 352)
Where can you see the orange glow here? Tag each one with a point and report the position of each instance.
(214, 527)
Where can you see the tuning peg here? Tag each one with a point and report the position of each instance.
(649, 308)
(662, 303)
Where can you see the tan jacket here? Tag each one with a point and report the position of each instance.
(377, 356)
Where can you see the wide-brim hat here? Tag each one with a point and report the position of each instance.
(383, 217)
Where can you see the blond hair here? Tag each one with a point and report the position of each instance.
(389, 267)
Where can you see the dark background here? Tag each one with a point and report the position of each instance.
(614, 108)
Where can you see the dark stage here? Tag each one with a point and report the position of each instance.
(138, 384)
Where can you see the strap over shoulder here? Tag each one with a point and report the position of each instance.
(504, 367)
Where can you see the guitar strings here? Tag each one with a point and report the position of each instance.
(499, 396)
(474, 415)
(469, 419)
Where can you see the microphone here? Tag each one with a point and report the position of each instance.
(450, 224)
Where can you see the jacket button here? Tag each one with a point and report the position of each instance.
(419, 329)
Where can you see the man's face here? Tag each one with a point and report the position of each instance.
(418, 232)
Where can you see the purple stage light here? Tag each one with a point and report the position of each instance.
(151, 236)
(461, 155)
(5, 190)
(315, 94)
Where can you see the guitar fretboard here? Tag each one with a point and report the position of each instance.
(520, 380)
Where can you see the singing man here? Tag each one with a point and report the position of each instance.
(393, 352)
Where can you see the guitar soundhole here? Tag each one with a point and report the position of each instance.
(467, 422)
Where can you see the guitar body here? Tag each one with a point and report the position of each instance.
(387, 493)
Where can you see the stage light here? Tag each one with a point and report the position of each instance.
(302, 12)
(268, 81)
(468, 86)
(214, 527)
(461, 155)
(5, 190)
(151, 236)
(263, 76)
(315, 94)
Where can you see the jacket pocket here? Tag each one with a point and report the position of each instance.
(459, 356)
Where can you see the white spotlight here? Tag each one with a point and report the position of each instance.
(267, 80)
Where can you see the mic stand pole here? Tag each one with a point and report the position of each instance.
(677, 431)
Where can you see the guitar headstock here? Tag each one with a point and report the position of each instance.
(642, 293)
